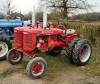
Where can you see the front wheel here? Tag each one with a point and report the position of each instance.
(36, 68)
(82, 52)
(14, 56)
(3, 50)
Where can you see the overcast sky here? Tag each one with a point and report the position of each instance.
(26, 5)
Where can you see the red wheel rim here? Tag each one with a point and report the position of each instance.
(15, 55)
(82, 52)
(85, 53)
(37, 68)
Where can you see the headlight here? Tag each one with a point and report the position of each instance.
(70, 31)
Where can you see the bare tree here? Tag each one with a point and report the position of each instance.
(68, 6)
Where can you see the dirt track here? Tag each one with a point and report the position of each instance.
(17, 75)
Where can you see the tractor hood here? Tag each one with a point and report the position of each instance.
(41, 31)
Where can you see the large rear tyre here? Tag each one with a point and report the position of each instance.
(14, 56)
(4, 47)
(69, 49)
(82, 52)
(36, 68)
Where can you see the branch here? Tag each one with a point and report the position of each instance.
(75, 7)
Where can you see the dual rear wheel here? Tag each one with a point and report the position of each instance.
(80, 52)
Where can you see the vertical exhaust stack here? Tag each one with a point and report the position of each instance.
(33, 17)
(45, 17)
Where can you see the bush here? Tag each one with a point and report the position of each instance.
(90, 31)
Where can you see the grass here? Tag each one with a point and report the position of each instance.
(60, 64)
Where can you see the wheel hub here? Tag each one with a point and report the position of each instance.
(82, 52)
(37, 68)
(15, 56)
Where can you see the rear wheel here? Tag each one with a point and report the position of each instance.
(36, 68)
(14, 56)
(82, 52)
(69, 49)
(3, 50)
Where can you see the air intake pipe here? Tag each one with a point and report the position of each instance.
(33, 17)
(45, 17)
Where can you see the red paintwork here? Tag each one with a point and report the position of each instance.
(71, 37)
(43, 47)
(30, 55)
(29, 39)
(53, 42)
(82, 53)
(37, 68)
(18, 40)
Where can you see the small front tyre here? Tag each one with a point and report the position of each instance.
(14, 56)
(82, 52)
(36, 68)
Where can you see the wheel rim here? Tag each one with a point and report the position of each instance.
(3, 49)
(85, 53)
(15, 56)
(38, 68)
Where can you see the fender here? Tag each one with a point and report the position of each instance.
(69, 38)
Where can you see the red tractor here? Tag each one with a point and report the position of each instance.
(51, 40)
(47, 39)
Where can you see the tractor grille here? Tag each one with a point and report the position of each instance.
(18, 39)
(27, 41)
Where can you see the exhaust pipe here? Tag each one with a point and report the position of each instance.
(45, 17)
(33, 17)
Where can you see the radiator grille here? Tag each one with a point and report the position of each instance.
(27, 41)
(18, 39)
